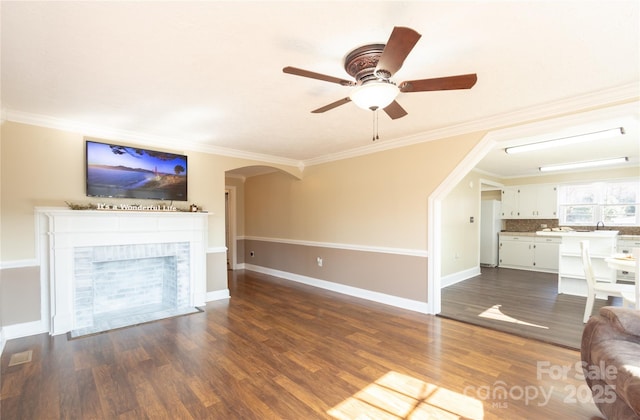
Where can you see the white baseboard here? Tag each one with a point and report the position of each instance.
(3, 340)
(23, 330)
(396, 301)
(459, 276)
(218, 295)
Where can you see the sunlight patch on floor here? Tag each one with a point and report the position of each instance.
(399, 396)
(496, 314)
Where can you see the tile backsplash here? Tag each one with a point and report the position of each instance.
(533, 225)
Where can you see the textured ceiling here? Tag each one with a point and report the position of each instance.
(208, 75)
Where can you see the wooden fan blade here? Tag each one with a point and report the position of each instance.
(463, 81)
(400, 44)
(313, 75)
(332, 105)
(395, 111)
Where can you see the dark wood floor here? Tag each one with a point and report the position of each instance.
(281, 350)
(522, 297)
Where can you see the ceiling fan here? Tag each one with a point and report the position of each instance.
(372, 67)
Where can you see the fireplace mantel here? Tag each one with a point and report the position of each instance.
(63, 230)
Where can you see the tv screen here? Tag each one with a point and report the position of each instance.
(132, 172)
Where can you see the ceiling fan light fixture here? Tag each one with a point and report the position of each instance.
(374, 94)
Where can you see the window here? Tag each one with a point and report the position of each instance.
(615, 203)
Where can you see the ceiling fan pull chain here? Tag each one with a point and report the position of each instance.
(375, 124)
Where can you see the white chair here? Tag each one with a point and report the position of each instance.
(593, 286)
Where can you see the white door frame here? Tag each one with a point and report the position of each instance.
(232, 215)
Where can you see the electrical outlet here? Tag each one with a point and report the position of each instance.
(319, 261)
(253, 254)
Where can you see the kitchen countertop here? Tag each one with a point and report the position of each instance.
(576, 233)
(518, 233)
(593, 233)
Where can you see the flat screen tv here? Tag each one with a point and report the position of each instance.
(132, 172)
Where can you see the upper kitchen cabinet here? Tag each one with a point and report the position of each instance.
(536, 201)
(509, 206)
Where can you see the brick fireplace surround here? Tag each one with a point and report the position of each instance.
(105, 267)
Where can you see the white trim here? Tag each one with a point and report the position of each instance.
(218, 295)
(575, 124)
(3, 340)
(434, 269)
(216, 249)
(459, 276)
(140, 138)
(493, 185)
(548, 110)
(542, 111)
(23, 330)
(231, 192)
(19, 264)
(350, 247)
(411, 305)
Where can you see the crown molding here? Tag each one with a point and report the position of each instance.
(89, 130)
(627, 92)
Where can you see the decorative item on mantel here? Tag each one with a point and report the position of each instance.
(132, 207)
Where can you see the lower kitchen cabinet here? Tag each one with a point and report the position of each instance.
(529, 252)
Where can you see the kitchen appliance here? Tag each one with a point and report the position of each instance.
(490, 225)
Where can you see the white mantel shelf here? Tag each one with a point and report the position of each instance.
(61, 230)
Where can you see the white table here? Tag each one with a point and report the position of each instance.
(623, 264)
(630, 265)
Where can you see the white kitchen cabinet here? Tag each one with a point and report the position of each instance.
(509, 205)
(528, 252)
(625, 245)
(516, 251)
(536, 201)
(546, 254)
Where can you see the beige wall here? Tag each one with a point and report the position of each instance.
(373, 201)
(45, 167)
(460, 236)
(377, 200)
(25, 283)
(401, 276)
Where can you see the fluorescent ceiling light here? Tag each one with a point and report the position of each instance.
(588, 164)
(374, 95)
(597, 135)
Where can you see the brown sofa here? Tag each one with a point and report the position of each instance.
(610, 353)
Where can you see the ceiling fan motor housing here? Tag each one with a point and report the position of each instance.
(361, 64)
